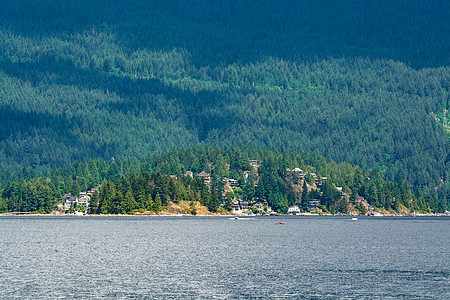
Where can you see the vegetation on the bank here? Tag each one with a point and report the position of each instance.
(146, 185)
(363, 82)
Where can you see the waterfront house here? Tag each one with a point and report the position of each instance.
(258, 206)
(68, 200)
(243, 204)
(236, 209)
(313, 204)
(84, 200)
(375, 213)
(293, 210)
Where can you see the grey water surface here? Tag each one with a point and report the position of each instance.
(224, 258)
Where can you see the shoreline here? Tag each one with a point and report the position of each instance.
(211, 215)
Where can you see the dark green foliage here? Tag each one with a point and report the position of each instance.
(142, 185)
(330, 195)
(94, 203)
(149, 203)
(355, 81)
(213, 203)
(128, 203)
(305, 197)
(157, 204)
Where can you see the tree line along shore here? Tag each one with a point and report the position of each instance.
(217, 180)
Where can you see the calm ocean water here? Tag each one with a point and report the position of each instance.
(219, 257)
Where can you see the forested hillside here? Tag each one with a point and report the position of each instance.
(127, 186)
(364, 82)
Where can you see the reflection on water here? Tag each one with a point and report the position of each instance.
(201, 257)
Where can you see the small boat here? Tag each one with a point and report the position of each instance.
(279, 223)
(354, 218)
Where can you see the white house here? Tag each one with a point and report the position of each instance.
(293, 210)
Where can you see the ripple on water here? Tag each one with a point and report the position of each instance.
(207, 258)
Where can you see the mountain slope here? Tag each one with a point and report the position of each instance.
(81, 81)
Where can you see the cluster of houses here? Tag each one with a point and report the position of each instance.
(314, 204)
(302, 174)
(68, 201)
(243, 207)
(228, 181)
(239, 207)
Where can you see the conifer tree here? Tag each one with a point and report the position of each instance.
(305, 197)
(128, 203)
(157, 204)
(94, 203)
(148, 205)
(213, 203)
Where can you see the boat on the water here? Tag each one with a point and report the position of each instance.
(354, 218)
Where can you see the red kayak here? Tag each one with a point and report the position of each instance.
(279, 223)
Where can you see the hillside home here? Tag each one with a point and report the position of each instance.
(206, 178)
(300, 172)
(364, 203)
(232, 182)
(254, 163)
(297, 171)
(91, 191)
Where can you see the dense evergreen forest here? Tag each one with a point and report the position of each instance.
(362, 82)
(126, 186)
